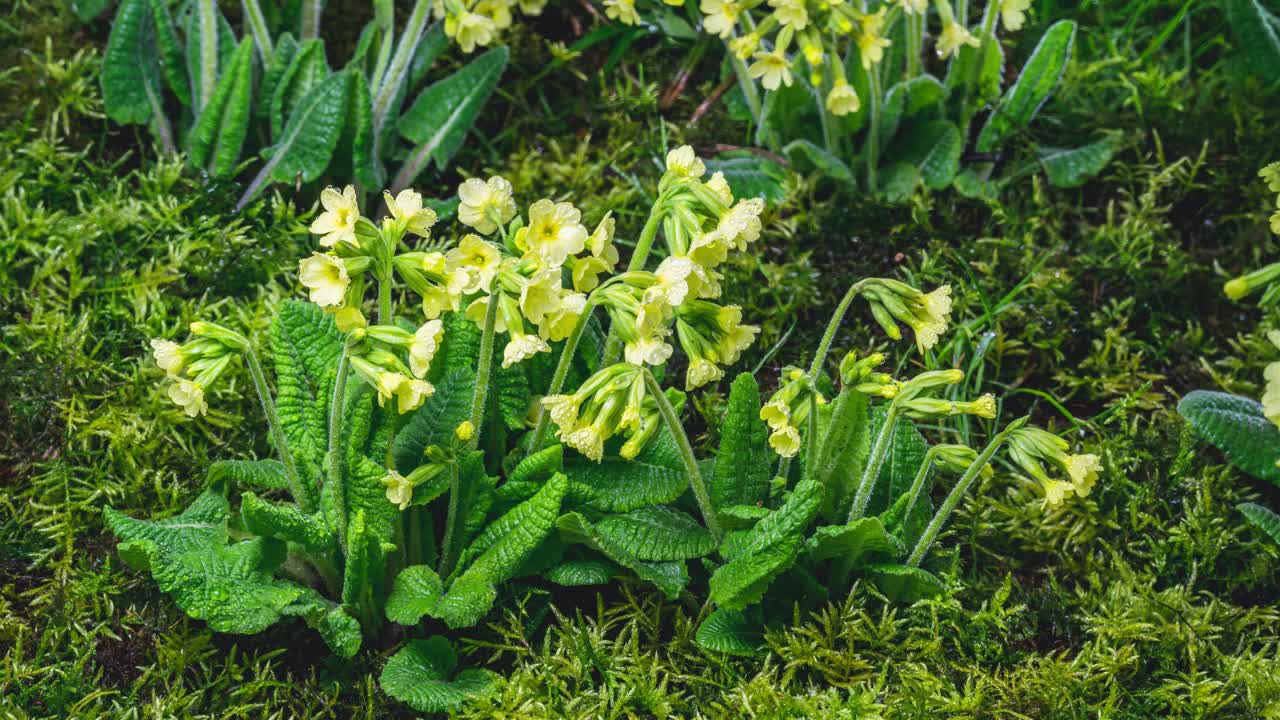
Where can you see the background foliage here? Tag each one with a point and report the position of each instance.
(1094, 308)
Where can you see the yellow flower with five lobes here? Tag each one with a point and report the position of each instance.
(479, 257)
(563, 409)
(624, 11)
(790, 13)
(499, 11)
(325, 276)
(338, 221)
(741, 225)
(522, 346)
(953, 36)
(718, 185)
(735, 337)
(776, 413)
(720, 16)
(843, 99)
(1013, 13)
(465, 431)
(870, 44)
(745, 46)
(701, 372)
(647, 350)
(484, 205)
(411, 393)
(672, 286)
(559, 325)
(1083, 471)
(470, 30)
(168, 355)
(407, 209)
(189, 396)
(1055, 492)
(555, 231)
(684, 162)
(399, 489)
(772, 69)
(426, 342)
(600, 243)
(540, 295)
(785, 441)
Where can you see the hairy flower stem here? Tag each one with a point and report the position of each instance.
(451, 524)
(484, 369)
(696, 483)
(986, 35)
(875, 460)
(871, 150)
(561, 374)
(917, 485)
(750, 93)
(389, 84)
(311, 12)
(303, 494)
(613, 343)
(957, 494)
(336, 463)
(829, 336)
(915, 43)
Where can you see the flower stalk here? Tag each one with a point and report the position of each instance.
(696, 483)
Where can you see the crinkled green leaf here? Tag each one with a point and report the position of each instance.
(421, 676)
(130, 77)
(229, 586)
(307, 69)
(768, 549)
(742, 467)
(202, 525)
(731, 632)
(1261, 518)
(1257, 33)
(1236, 426)
(654, 477)
(498, 553)
(934, 148)
(907, 448)
(365, 491)
(669, 577)
(315, 123)
(223, 123)
(172, 63)
(578, 573)
(750, 175)
(736, 517)
(285, 522)
(416, 591)
(513, 394)
(282, 55)
(539, 466)
(435, 422)
(340, 631)
(854, 543)
(657, 533)
(897, 180)
(905, 584)
(807, 157)
(1071, 167)
(256, 474)
(846, 445)
(442, 114)
(1036, 82)
(306, 346)
(226, 47)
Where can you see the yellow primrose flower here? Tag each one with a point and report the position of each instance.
(522, 347)
(1055, 492)
(601, 241)
(744, 46)
(672, 281)
(1271, 396)
(1083, 471)
(776, 413)
(718, 185)
(937, 308)
(843, 99)
(326, 277)
(720, 16)
(790, 13)
(1013, 13)
(624, 11)
(168, 355)
(741, 225)
(684, 162)
(478, 256)
(338, 221)
(426, 341)
(399, 489)
(586, 272)
(486, 204)
(189, 396)
(870, 43)
(772, 69)
(407, 209)
(555, 232)
(587, 439)
(735, 337)
(701, 371)
(785, 441)
(499, 11)
(953, 36)
(558, 325)
(348, 319)
(647, 350)
(470, 30)
(540, 295)
(562, 408)
(409, 392)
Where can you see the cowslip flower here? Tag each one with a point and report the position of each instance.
(470, 30)
(624, 11)
(790, 13)
(189, 395)
(408, 211)
(554, 232)
(477, 255)
(683, 162)
(325, 276)
(399, 489)
(720, 16)
(338, 221)
(426, 341)
(871, 43)
(484, 205)
(1013, 13)
(843, 99)
(772, 69)
(522, 346)
(168, 355)
(953, 36)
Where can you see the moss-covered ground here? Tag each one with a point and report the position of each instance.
(1093, 308)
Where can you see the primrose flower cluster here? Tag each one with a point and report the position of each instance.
(477, 23)
(775, 36)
